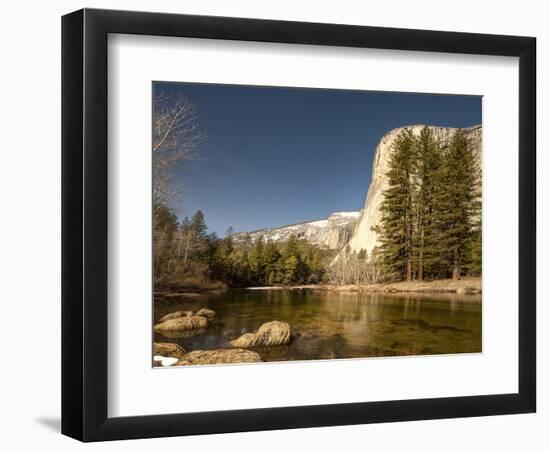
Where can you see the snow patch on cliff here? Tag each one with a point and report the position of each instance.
(333, 232)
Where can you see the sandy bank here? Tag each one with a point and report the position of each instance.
(467, 285)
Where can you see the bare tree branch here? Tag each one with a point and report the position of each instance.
(177, 134)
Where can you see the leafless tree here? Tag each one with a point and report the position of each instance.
(355, 268)
(177, 133)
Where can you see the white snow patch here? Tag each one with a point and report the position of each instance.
(165, 361)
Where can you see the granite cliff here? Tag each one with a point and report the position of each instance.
(354, 228)
(363, 236)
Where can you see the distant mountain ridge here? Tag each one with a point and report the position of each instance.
(334, 232)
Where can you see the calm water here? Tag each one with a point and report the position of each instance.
(337, 325)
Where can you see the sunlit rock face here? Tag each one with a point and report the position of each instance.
(354, 228)
(363, 236)
(333, 232)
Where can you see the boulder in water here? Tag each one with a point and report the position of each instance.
(221, 356)
(176, 315)
(247, 340)
(182, 324)
(168, 350)
(205, 312)
(269, 334)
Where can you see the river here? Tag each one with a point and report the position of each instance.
(332, 325)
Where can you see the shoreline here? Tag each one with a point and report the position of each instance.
(467, 286)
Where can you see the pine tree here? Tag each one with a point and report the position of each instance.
(221, 262)
(185, 223)
(290, 270)
(240, 275)
(294, 269)
(165, 226)
(314, 265)
(397, 224)
(291, 248)
(257, 261)
(198, 225)
(456, 206)
(428, 166)
(272, 263)
(474, 252)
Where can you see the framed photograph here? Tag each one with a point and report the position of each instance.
(273, 224)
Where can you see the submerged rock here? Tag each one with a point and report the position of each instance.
(269, 334)
(178, 334)
(245, 341)
(168, 349)
(222, 356)
(182, 324)
(205, 312)
(176, 315)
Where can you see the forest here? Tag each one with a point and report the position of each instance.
(186, 255)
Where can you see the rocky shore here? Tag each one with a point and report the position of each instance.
(165, 354)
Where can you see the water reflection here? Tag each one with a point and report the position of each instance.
(337, 324)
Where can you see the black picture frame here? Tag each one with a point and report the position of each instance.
(84, 224)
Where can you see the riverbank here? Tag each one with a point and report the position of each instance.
(466, 285)
(187, 293)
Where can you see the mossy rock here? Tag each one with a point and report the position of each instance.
(205, 312)
(176, 315)
(168, 350)
(183, 324)
(269, 334)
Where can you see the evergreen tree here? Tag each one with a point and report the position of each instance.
(198, 225)
(272, 263)
(196, 240)
(257, 261)
(185, 224)
(222, 267)
(291, 248)
(241, 268)
(291, 270)
(294, 268)
(315, 265)
(474, 252)
(211, 243)
(428, 166)
(165, 226)
(397, 208)
(456, 206)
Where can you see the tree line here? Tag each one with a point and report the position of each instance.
(431, 210)
(186, 255)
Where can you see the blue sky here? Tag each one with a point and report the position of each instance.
(275, 156)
